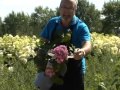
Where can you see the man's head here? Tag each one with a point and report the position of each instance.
(67, 9)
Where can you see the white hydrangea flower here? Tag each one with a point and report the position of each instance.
(11, 69)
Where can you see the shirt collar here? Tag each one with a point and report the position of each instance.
(74, 20)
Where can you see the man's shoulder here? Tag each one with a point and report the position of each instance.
(81, 23)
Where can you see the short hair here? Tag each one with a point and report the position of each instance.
(75, 2)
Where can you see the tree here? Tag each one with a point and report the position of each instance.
(0, 26)
(10, 24)
(23, 21)
(21, 24)
(16, 23)
(89, 15)
(39, 18)
(111, 23)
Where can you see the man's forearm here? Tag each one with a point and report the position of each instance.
(86, 46)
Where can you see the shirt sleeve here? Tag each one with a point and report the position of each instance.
(85, 34)
(45, 33)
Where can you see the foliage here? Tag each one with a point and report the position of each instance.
(39, 18)
(102, 69)
(17, 48)
(22, 24)
(15, 66)
(102, 64)
(91, 16)
(16, 24)
(18, 76)
(0, 26)
(111, 23)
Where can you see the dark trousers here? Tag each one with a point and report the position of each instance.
(74, 77)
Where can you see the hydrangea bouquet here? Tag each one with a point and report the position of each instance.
(52, 57)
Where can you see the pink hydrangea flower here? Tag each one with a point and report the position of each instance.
(61, 53)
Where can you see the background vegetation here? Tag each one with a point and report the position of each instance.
(19, 35)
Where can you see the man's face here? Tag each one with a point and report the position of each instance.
(67, 10)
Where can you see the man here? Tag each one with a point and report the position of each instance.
(74, 76)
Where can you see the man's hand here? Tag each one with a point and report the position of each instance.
(79, 53)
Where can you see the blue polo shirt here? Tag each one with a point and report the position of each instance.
(80, 32)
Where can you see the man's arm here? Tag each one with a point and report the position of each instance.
(81, 52)
(86, 46)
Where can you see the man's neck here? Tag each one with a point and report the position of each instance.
(65, 24)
